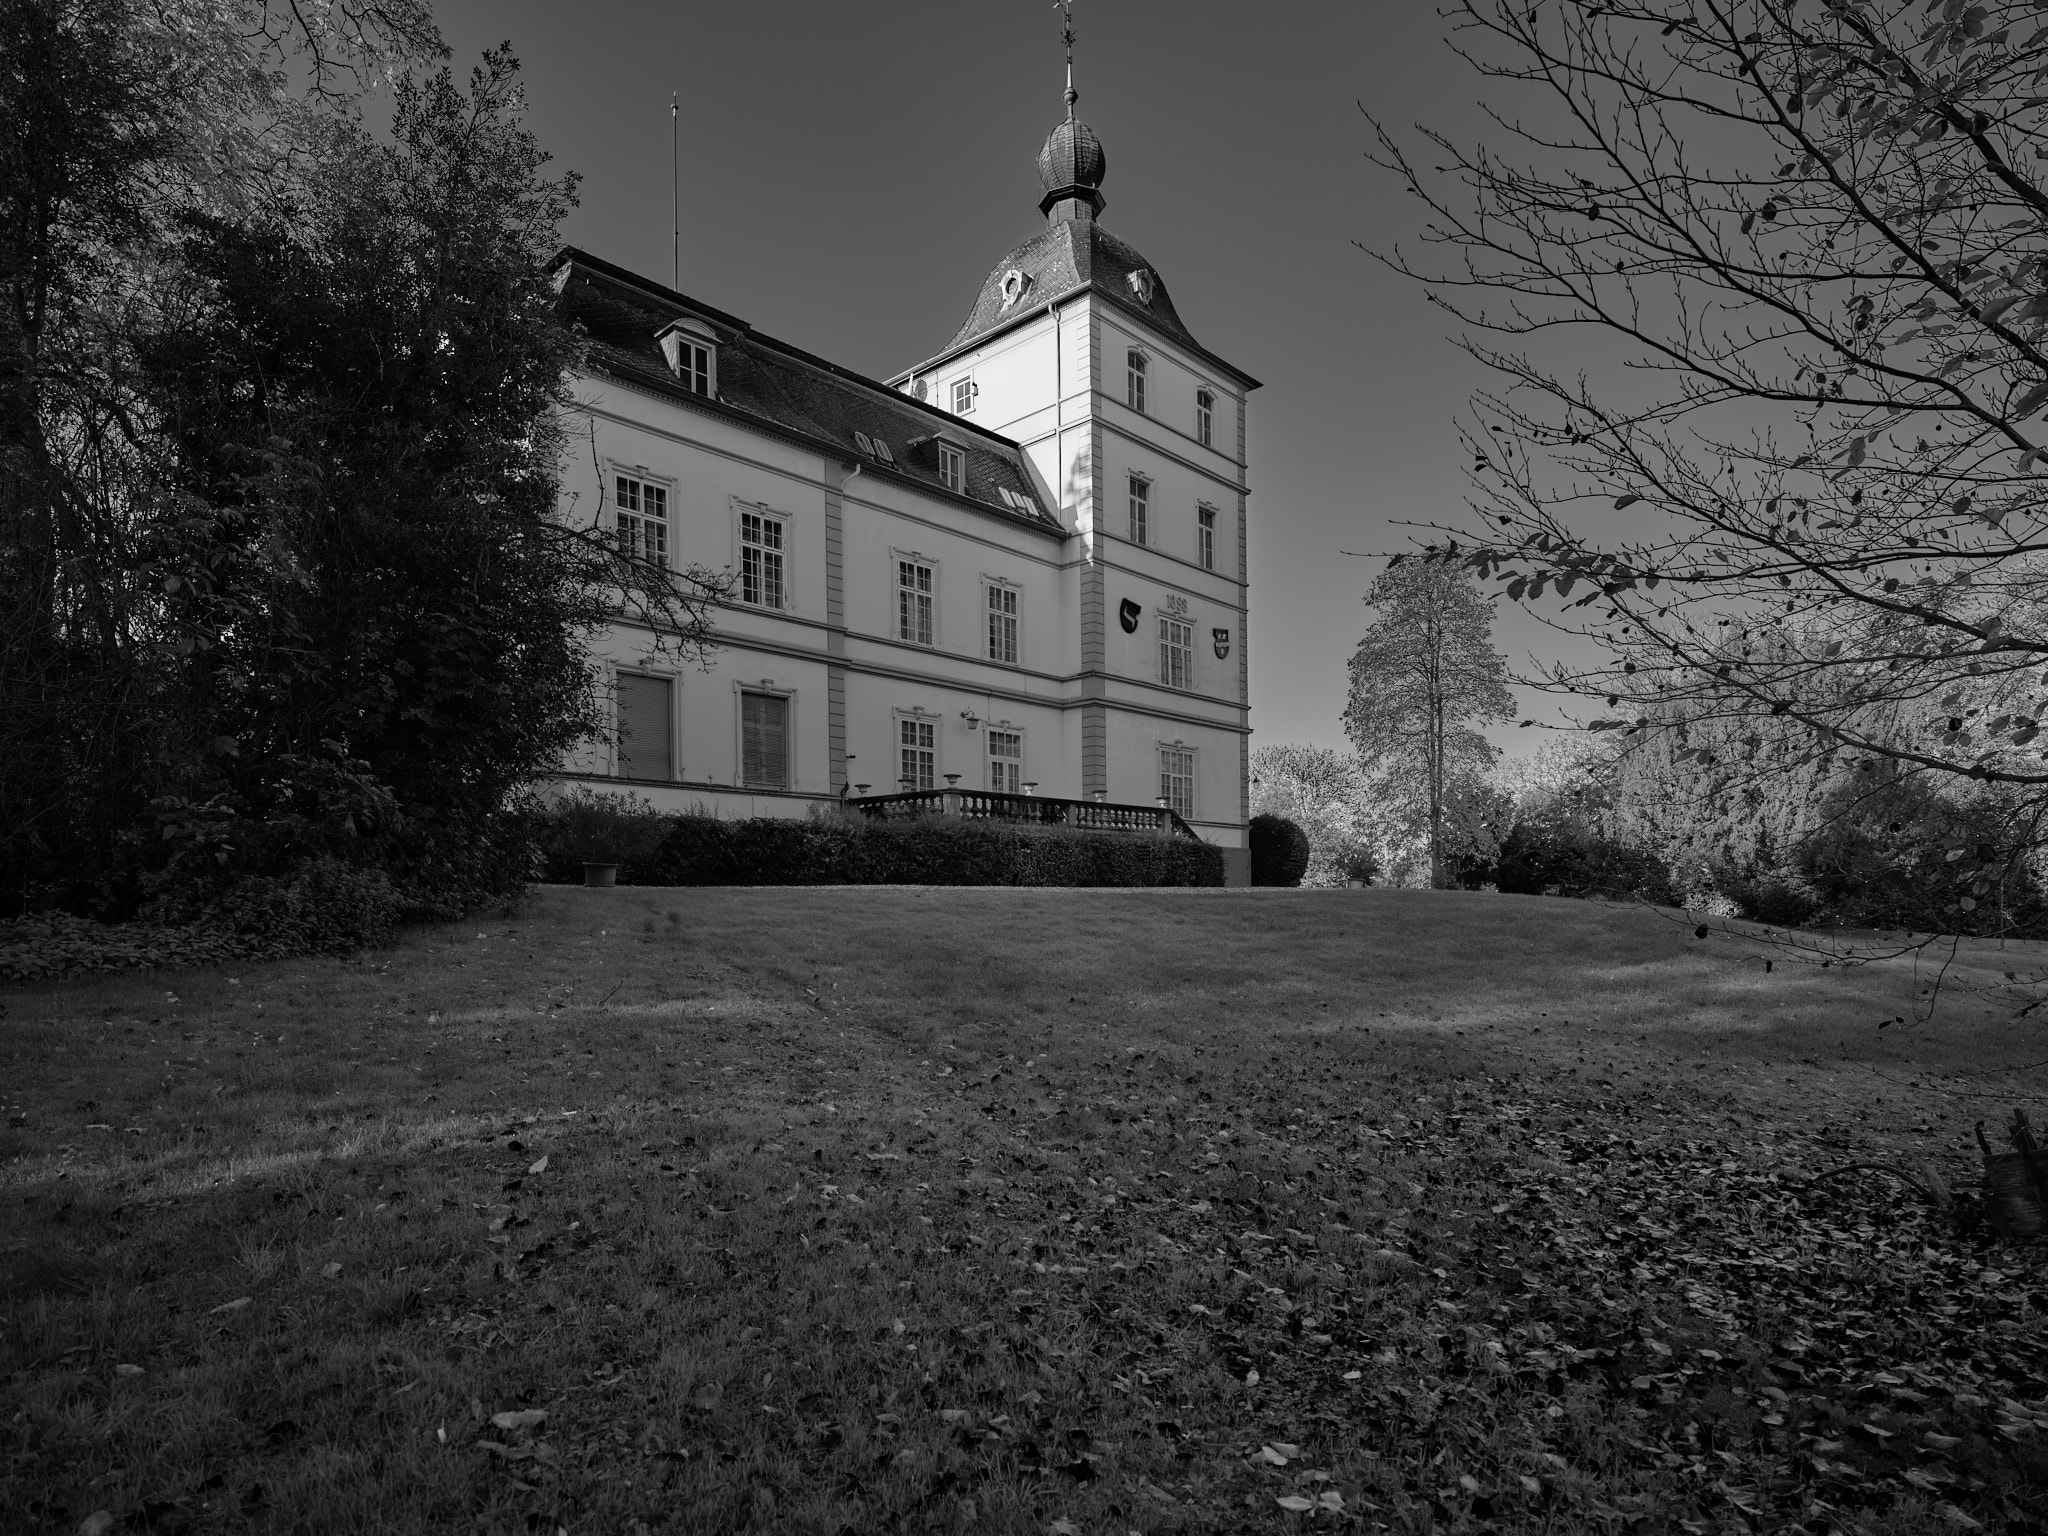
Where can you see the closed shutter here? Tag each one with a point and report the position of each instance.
(644, 728)
(764, 740)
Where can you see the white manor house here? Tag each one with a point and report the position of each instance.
(1017, 567)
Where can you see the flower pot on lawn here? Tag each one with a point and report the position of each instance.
(602, 876)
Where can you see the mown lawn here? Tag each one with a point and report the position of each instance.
(876, 1210)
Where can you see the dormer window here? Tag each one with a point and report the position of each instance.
(952, 466)
(964, 391)
(692, 357)
(1205, 417)
(1135, 364)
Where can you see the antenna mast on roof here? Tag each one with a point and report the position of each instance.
(1066, 10)
(675, 207)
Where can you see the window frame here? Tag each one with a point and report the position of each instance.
(926, 723)
(686, 345)
(989, 758)
(1137, 370)
(1189, 758)
(630, 520)
(1205, 535)
(1138, 508)
(675, 762)
(1167, 649)
(740, 693)
(990, 587)
(965, 392)
(782, 522)
(952, 466)
(898, 560)
(1205, 416)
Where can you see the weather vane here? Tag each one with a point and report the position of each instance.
(1066, 10)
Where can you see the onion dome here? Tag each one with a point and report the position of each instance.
(1070, 168)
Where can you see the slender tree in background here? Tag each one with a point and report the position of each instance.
(1424, 675)
(1792, 467)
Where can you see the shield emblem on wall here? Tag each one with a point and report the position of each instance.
(1127, 613)
(1222, 638)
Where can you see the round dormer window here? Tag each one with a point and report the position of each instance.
(1014, 285)
(1141, 285)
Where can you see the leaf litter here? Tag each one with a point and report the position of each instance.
(1219, 1283)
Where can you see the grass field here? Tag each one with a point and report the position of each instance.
(874, 1210)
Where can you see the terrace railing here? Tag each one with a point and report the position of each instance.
(1037, 810)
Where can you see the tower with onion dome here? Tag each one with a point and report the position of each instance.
(1073, 348)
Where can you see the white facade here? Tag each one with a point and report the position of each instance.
(1057, 383)
(921, 593)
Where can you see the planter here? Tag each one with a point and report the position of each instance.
(601, 876)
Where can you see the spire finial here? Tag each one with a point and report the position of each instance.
(1066, 10)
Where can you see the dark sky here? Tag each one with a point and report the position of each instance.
(851, 172)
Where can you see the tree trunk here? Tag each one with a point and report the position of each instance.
(1436, 795)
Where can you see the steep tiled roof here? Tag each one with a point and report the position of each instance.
(787, 390)
(1065, 258)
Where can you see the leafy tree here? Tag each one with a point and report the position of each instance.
(1791, 464)
(301, 609)
(116, 117)
(1422, 677)
(1322, 791)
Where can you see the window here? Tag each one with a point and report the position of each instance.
(1006, 762)
(1141, 511)
(1134, 380)
(1205, 417)
(1177, 779)
(1205, 537)
(1176, 652)
(764, 740)
(643, 520)
(918, 757)
(914, 602)
(761, 560)
(964, 391)
(694, 367)
(644, 727)
(1002, 624)
(688, 358)
(952, 467)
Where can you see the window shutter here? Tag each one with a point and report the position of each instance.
(644, 727)
(764, 740)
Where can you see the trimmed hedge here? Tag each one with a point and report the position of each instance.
(835, 850)
(1280, 851)
(591, 826)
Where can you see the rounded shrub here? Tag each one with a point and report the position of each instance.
(1279, 851)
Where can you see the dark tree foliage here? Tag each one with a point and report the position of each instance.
(369, 588)
(289, 607)
(1561, 856)
(1280, 851)
(84, 119)
(1884, 856)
